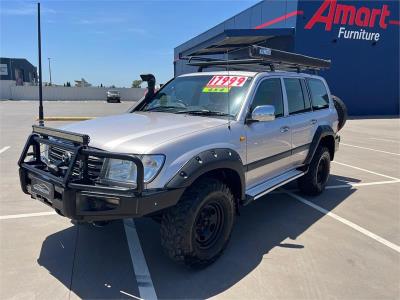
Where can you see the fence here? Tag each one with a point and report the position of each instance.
(8, 90)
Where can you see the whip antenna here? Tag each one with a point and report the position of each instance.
(41, 119)
(229, 91)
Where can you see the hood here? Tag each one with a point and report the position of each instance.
(140, 132)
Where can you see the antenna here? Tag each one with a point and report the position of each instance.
(41, 121)
(229, 91)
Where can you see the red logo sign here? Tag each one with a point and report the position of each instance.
(332, 13)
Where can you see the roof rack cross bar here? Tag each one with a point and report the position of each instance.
(261, 57)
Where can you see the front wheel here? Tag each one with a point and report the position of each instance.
(314, 182)
(196, 231)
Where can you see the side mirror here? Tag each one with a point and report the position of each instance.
(263, 113)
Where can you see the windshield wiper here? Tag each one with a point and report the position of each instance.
(161, 108)
(204, 112)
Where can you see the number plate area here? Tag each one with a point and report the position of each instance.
(42, 188)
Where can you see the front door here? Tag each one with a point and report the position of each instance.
(268, 143)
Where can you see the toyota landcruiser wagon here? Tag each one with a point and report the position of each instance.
(191, 154)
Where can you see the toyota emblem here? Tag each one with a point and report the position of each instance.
(66, 157)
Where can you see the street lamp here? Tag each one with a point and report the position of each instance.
(49, 58)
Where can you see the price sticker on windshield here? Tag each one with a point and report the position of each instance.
(226, 81)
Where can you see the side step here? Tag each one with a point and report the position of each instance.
(268, 186)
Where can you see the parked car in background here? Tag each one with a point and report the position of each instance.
(113, 96)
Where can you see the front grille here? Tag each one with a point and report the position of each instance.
(94, 163)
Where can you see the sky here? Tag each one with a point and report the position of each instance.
(108, 42)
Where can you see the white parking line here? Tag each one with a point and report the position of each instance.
(4, 149)
(350, 184)
(341, 186)
(346, 222)
(365, 170)
(40, 214)
(381, 151)
(130, 295)
(385, 140)
(142, 273)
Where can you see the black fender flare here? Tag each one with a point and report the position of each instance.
(321, 132)
(206, 161)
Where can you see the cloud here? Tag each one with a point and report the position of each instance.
(100, 20)
(137, 30)
(26, 9)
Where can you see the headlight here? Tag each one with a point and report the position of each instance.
(44, 153)
(125, 171)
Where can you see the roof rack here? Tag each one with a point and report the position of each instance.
(262, 57)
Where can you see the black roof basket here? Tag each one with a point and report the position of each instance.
(262, 57)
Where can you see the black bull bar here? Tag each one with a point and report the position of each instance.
(79, 197)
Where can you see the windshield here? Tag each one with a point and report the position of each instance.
(217, 95)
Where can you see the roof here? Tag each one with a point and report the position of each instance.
(275, 13)
(15, 60)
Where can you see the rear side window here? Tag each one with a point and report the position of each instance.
(319, 94)
(269, 92)
(297, 103)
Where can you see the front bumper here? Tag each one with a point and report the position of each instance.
(80, 198)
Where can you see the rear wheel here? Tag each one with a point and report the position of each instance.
(196, 231)
(314, 182)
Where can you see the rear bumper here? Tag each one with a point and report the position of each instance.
(113, 98)
(95, 203)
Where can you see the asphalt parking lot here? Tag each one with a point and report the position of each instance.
(343, 244)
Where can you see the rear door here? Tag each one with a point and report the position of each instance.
(268, 143)
(319, 94)
(302, 122)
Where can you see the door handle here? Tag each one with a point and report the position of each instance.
(313, 121)
(285, 129)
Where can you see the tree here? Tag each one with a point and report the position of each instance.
(136, 83)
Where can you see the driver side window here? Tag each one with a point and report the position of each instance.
(269, 92)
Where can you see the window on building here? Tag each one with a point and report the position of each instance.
(269, 92)
(296, 100)
(319, 94)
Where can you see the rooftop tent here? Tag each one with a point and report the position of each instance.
(232, 39)
(258, 58)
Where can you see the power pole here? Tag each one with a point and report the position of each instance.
(41, 121)
(49, 58)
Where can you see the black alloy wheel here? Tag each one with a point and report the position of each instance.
(209, 225)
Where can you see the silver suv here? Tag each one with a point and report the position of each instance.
(189, 155)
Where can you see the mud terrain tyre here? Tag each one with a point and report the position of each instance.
(341, 111)
(196, 231)
(314, 182)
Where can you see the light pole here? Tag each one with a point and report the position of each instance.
(49, 58)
